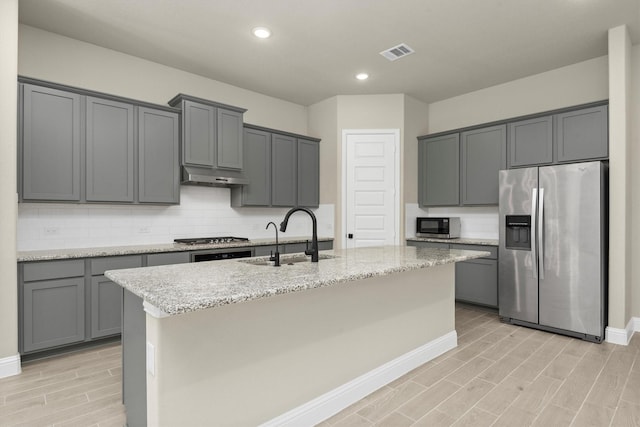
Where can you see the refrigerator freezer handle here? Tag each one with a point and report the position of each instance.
(534, 238)
(541, 232)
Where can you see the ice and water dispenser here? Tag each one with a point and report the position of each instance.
(518, 232)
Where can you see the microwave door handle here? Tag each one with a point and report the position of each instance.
(541, 232)
(534, 238)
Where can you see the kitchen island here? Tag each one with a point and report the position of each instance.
(240, 342)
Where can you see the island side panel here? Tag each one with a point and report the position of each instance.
(134, 386)
(244, 364)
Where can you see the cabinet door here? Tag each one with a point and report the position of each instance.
(106, 307)
(477, 281)
(229, 139)
(439, 171)
(308, 173)
(53, 313)
(257, 169)
(283, 170)
(582, 134)
(199, 134)
(50, 144)
(531, 142)
(483, 156)
(158, 158)
(109, 156)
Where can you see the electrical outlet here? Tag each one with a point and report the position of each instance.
(51, 231)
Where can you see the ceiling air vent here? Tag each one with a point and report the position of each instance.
(397, 52)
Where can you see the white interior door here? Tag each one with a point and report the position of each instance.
(370, 204)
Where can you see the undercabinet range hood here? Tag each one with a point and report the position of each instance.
(212, 177)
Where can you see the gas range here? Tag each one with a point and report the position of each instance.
(211, 240)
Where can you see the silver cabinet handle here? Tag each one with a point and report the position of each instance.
(534, 238)
(541, 232)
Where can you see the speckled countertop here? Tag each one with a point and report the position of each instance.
(182, 288)
(59, 254)
(459, 241)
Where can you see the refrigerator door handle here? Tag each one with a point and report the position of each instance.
(534, 238)
(541, 233)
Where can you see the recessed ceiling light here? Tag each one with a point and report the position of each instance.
(261, 32)
(362, 76)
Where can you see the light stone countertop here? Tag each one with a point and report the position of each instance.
(459, 241)
(182, 288)
(61, 254)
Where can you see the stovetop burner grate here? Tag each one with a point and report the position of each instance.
(211, 240)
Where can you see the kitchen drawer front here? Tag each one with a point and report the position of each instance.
(477, 282)
(483, 248)
(168, 258)
(436, 245)
(100, 265)
(53, 270)
(292, 248)
(325, 245)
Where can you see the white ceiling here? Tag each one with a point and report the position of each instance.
(319, 45)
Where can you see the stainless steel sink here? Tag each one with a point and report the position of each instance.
(285, 259)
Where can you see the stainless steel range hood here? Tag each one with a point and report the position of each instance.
(212, 177)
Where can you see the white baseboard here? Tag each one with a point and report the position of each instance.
(622, 336)
(332, 402)
(10, 366)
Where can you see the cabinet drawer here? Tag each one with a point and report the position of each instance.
(53, 269)
(477, 282)
(483, 248)
(168, 258)
(100, 265)
(436, 245)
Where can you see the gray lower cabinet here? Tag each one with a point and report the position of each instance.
(50, 149)
(531, 142)
(582, 134)
(52, 304)
(483, 155)
(439, 171)
(476, 279)
(158, 156)
(291, 248)
(283, 170)
(109, 151)
(106, 310)
(168, 258)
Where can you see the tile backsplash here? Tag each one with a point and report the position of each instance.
(475, 222)
(203, 211)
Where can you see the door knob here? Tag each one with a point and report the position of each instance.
(350, 236)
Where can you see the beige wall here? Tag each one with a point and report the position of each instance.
(635, 179)
(8, 197)
(323, 122)
(572, 85)
(416, 121)
(51, 57)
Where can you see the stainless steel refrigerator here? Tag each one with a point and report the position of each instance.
(553, 248)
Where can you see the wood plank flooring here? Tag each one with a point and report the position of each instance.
(499, 375)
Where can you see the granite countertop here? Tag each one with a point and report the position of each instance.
(182, 288)
(459, 241)
(60, 254)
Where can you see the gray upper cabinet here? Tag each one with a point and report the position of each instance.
(483, 156)
(283, 170)
(257, 169)
(308, 173)
(531, 142)
(51, 138)
(158, 156)
(582, 134)
(230, 143)
(212, 133)
(438, 170)
(109, 151)
(199, 132)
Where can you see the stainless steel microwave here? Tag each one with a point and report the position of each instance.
(438, 227)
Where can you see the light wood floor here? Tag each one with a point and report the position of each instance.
(499, 375)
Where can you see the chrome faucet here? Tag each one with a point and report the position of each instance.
(275, 257)
(314, 238)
